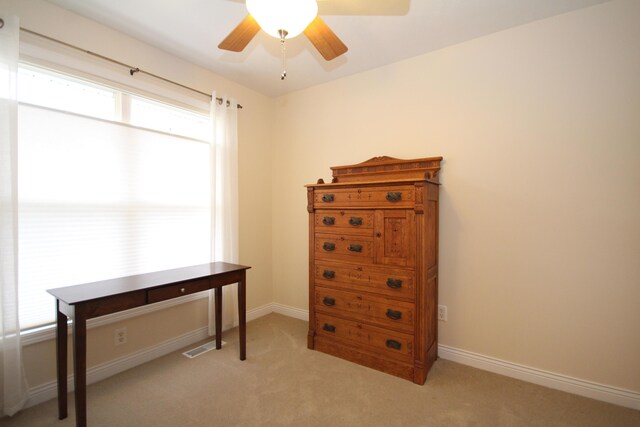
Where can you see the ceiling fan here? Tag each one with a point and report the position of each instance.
(282, 19)
(285, 19)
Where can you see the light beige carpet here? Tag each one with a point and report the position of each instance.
(282, 383)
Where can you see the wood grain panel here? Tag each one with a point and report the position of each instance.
(397, 283)
(380, 311)
(377, 306)
(385, 343)
(344, 247)
(354, 222)
(391, 197)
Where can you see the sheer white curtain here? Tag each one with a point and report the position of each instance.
(224, 201)
(14, 387)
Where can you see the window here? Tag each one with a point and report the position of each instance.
(51, 90)
(110, 184)
(154, 115)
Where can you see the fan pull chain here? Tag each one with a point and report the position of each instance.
(283, 34)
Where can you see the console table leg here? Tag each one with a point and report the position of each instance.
(218, 314)
(61, 361)
(242, 315)
(80, 365)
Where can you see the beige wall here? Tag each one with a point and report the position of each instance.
(539, 127)
(540, 130)
(255, 130)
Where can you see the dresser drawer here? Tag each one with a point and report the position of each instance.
(334, 246)
(344, 222)
(385, 312)
(393, 282)
(179, 289)
(386, 197)
(380, 341)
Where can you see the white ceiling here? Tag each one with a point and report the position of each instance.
(192, 29)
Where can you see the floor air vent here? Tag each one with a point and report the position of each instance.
(201, 349)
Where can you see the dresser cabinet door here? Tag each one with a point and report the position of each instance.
(395, 238)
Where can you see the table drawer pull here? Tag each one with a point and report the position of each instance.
(394, 314)
(355, 221)
(355, 248)
(394, 196)
(329, 246)
(328, 198)
(329, 328)
(394, 283)
(328, 301)
(182, 290)
(394, 344)
(328, 274)
(328, 220)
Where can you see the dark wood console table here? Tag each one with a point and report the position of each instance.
(82, 302)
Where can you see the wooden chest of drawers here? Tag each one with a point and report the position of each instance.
(373, 265)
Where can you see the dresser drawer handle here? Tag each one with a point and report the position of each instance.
(328, 301)
(394, 283)
(328, 274)
(355, 248)
(394, 196)
(328, 220)
(182, 290)
(394, 344)
(394, 314)
(329, 246)
(355, 221)
(328, 198)
(329, 328)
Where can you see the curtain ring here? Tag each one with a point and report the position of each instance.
(228, 103)
(1, 22)
(219, 101)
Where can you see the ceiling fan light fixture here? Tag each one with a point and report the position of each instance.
(293, 16)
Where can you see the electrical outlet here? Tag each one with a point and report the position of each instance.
(442, 313)
(120, 336)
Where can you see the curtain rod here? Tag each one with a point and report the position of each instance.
(132, 70)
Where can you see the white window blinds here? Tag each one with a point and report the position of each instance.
(101, 199)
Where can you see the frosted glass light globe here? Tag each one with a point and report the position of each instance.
(293, 16)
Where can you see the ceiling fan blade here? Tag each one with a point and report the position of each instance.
(325, 40)
(240, 37)
(364, 7)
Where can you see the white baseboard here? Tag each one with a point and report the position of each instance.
(605, 393)
(259, 312)
(286, 310)
(48, 391)
(617, 396)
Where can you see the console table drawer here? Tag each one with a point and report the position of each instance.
(179, 289)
